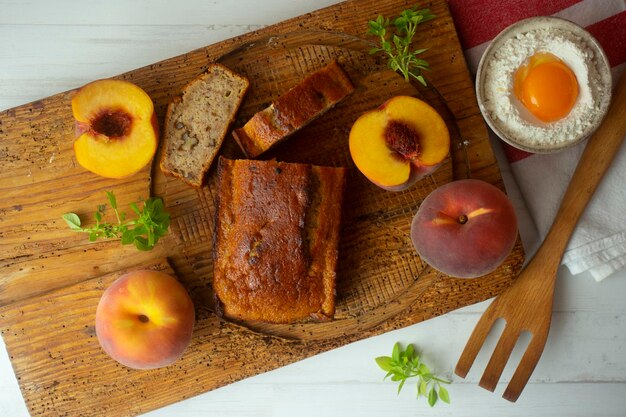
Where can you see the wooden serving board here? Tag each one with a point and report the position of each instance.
(53, 278)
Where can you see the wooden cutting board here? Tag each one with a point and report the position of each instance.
(53, 278)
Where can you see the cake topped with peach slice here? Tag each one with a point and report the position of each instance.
(399, 143)
(116, 128)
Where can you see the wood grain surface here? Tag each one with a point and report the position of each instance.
(60, 369)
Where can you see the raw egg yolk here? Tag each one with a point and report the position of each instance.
(546, 86)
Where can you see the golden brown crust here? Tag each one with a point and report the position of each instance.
(293, 110)
(277, 231)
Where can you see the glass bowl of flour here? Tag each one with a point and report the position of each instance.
(513, 116)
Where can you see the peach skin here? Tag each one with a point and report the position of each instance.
(465, 228)
(145, 320)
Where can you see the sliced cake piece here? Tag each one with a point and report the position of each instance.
(293, 110)
(197, 122)
(277, 230)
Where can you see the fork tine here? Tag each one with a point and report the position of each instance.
(525, 367)
(475, 342)
(498, 360)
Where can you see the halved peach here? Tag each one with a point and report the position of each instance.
(116, 128)
(399, 143)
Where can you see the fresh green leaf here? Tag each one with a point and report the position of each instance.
(72, 220)
(422, 388)
(395, 353)
(432, 397)
(112, 199)
(141, 243)
(98, 216)
(400, 385)
(134, 207)
(384, 362)
(410, 351)
(141, 229)
(128, 237)
(443, 394)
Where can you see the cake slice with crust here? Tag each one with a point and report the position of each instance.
(197, 122)
(293, 110)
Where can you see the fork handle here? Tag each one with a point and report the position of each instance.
(594, 162)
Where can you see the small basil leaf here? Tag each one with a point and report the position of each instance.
(128, 237)
(443, 394)
(141, 243)
(72, 220)
(422, 388)
(409, 351)
(432, 397)
(384, 362)
(395, 353)
(401, 385)
(112, 199)
(134, 207)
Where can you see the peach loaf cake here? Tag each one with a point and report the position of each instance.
(197, 122)
(293, 110)
(277, 231)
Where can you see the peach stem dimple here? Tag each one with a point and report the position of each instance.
(143, 318)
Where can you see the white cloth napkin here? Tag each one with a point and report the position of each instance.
(598, 244)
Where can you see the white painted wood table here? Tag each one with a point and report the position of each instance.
(49, 47)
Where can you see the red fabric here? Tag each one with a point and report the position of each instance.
(611, 33)
(479, 21)
(514, 154)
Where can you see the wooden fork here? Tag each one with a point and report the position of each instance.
(527, 304)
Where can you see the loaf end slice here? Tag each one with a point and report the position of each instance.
(197, 122)
(293, 110)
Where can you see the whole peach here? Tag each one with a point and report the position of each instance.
(145, 319)
(465, 229)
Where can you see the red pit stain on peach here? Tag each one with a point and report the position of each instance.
(112, 123)
(403, 139)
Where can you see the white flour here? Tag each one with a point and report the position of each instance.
(510, 115)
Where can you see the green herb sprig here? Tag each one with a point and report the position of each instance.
(144, 232)
(397, 46)
(405, 364)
